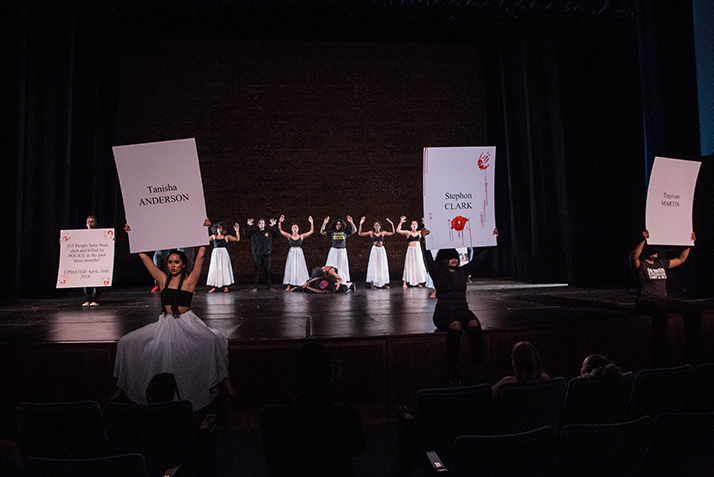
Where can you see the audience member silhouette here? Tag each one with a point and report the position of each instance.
(313, 435)
(598, 366)
(526, 364)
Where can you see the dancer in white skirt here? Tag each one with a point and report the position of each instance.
(296, 273)
(178, 343)
(338, 252)
(414, 266)
(220, 271)
(377, 267)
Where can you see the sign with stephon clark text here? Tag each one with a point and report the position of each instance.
(670, 198)
(163, 194)
(458, 196)
(86, 258)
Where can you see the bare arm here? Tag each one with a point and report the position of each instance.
(352, 222)
(231, 238)
(360, 233)
(156, 274)
(402, 219)
(324, 224)
(675, 262)
(635, 254)
(312, 228)
(393, 230)
(280, 227)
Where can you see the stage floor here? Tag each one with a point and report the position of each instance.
(276, 315)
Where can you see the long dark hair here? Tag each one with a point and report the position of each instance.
(526, 362)
(182, 255)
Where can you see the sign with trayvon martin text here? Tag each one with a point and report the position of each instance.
(86, 258)
(458, 196)
(163, 194)
(670, 198)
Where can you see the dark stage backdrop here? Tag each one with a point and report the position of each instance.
(324, 110)
(304, 128)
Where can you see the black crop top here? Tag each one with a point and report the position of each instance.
(377, 238)
(295, 243)
(169, 297)
(413, 238)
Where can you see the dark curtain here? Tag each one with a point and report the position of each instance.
(59, 167)
(565, 113)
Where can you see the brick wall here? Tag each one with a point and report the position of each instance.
(304, 128)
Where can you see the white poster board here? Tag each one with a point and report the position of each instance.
(86, 258)
(458, 196)
(670, 198)
(163, 194)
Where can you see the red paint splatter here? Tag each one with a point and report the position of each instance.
(458, 223)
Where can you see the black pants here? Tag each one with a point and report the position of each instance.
(262, 262)
(659, 310)
(92, 294)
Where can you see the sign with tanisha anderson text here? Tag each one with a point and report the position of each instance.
(458, 196)
(163, 194)
(670, 199)
(86, 258)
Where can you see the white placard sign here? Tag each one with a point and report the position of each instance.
(458, 196)
(163, 194)
(86, 258)
(670, 198)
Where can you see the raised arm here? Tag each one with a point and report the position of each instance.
(675, 262)
(393, 230)
(312, 228)
(154, 271)
(280, 227)
(193, 277)
(430, 264)
(360, 233)
(324, 224)
(479, 255)
(635, 254)
(230, 238)
(402, 219)
(246, 230)
(352, 222)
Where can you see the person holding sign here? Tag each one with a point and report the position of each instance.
(220, 271)
(338, 252)
(296, 273)
(377, 267)
(414, 269)
(179, 342)
(91, 294)
(652, 300)
(261, 242)
(452, 313)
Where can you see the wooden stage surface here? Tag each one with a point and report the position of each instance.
(55, 350)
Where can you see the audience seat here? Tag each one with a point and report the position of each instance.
(597, 400)
(657, 391)
(525, 454)
(681, 445)
(128, 465)
(520, 407)
(603, 450)
(71, 430)
(442, 415)
(164, 433)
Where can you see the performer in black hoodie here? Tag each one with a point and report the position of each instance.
(261, 242)
(452, 313)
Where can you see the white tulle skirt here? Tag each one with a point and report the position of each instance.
(220, 271)
(377, 267)
(338, 258)
(295, 268)
(196, 354)
(414, 268)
